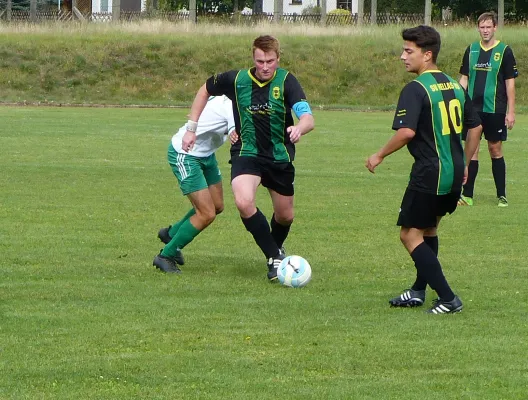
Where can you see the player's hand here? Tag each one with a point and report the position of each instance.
(464, 179)
(233, 137)
(295, 133)
(188, 141)
(373, 161)
(510, 120)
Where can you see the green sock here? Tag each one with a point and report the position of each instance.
(183, 237)
(174, 228)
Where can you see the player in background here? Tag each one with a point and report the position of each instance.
(264, 97)
(432, 111)
(199, 179)
(488, 73)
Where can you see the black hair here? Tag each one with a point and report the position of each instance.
(425, 37)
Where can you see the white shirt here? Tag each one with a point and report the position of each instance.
(214, 124)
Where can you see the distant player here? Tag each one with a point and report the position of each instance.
(432, 111)
(488, 73)
(199, 178)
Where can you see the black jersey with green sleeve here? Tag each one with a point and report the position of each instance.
(487, 70)
(437, 109)
(262, 111)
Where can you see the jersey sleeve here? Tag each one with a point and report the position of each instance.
(293, 91)
(471, 117)
(464, 68)
(509, 66)
(222, 84)
(409, 107)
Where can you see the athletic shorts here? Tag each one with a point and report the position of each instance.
(420, 210)
(194, 173)
(493, 127)
(278, 177)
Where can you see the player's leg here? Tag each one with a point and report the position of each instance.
(189, 172)
(245, 179)
(427, 261)
(498, 168)
(279, 182)
(495, 135)
(466, 199)
(179, 171)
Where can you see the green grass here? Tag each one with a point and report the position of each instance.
(85, 315)
(165, 64)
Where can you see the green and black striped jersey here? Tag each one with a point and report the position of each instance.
(487, 70)
(262, 111)
(437, 109)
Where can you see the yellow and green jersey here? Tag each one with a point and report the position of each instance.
(262, 111)
(487, 70)
(437, 109)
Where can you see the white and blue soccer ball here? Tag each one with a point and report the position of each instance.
(294, 271)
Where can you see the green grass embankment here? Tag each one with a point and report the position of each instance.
(164, 65)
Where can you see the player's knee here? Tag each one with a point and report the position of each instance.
(244, 206)
(284, 219)
(206, 216)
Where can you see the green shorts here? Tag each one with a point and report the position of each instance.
(194, 173)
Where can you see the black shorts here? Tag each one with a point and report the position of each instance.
(420, 210)
(493, 127)
(275, 176)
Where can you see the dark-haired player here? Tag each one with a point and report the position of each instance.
(432, 111)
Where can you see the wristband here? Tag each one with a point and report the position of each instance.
(192, 125)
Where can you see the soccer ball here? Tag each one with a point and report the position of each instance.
(294, 271)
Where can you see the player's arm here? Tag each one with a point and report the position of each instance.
(405, 123)
(295, 98)
(396, 142)
(463, 81)
(464, 70)
(306, 121)
(510, 93)
(199, 103)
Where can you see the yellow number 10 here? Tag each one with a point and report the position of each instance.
(455, 115)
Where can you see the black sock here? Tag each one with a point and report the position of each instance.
(429, 267)
(421, 282)
(469, 187)
(498, 168)
(279, 232)
(258, 226)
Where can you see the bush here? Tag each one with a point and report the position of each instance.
(339, 17)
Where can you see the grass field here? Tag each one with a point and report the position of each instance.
(85, 315)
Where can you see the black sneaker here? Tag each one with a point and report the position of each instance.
(446, 307)
(163, 235)
(273, 265)
(409, 298)
(166, 264)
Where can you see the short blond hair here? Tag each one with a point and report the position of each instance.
(267, 43)
(488, 16)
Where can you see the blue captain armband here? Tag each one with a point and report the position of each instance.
(301, 108)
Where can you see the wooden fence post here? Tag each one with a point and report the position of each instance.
(500, 11)
(116, 10)
(374, 12)
(193, 12)
(33, 10)
(361, 3)
(278, 8)
(427, 19)
(9, 8)
(323, 12)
